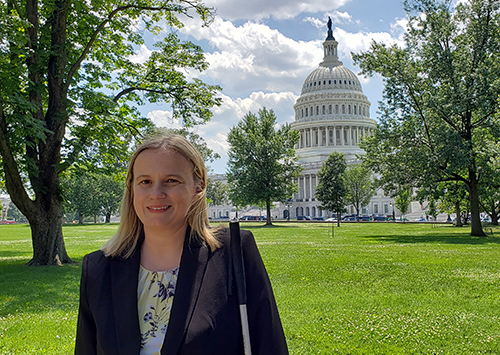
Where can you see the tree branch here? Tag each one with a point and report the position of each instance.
(103, 24)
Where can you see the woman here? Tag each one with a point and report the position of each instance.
(162, 283)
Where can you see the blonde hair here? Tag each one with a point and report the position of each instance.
(131, 228)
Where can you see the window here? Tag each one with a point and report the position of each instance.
(343, 109)
(331, 136)
(306, 112)
(330, 109)
(386, 208)
(349, 109)
(317, 110)
(324, 109)
(302, 112)
(355, 110)
(329, 82)
(337, 109)
(375, 208)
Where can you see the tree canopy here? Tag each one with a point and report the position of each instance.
(440, 97)
(331, 190)
(70, 93)
(359, 186)
(262, 164)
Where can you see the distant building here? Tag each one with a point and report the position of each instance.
(331, 114)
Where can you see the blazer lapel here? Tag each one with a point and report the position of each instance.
(191, 272)
(124, 281)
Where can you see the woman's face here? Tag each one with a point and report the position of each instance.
(164, 188)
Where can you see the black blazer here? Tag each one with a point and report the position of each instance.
(205, 314)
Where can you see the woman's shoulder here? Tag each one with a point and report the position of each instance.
(224, 237)
(96, 259)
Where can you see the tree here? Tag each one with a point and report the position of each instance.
(402, 200)
(81, 192)
(110, 193)
(216, 193)
(359, 186)
(262, 164)
(440, 96)
(14, 213)
(331, 190)
(70, 92)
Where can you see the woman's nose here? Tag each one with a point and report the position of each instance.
(158, 191)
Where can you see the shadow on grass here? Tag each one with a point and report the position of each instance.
(433, 238)
(89, 224)
(25, 289)
(4, 254)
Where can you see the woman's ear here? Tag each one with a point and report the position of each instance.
(199, 187)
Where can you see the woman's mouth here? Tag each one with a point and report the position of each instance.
(158, 208)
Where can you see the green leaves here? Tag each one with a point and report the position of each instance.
(440, 96)
(331, 190)
(262, 163)
(359, 185)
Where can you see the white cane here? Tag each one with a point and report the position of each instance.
(241, 287)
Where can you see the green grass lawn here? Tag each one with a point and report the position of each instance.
(374, 288)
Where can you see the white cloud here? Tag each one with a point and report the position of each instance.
(164, 118)
(253, 56)
(279, 9)
(141, 55)
(336, 16)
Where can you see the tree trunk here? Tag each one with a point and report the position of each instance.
(268, 212)
(47, 238)
(494, 217)
(476, 227)
(80, 218)
(108, 217)
(458, 219)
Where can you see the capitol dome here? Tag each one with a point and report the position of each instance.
(327, 78)
(332, 113)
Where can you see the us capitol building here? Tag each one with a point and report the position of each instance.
(331, 114)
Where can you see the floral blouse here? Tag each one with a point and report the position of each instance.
(155, 294)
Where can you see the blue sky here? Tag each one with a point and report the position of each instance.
(261, 52)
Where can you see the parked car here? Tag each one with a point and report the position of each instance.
(249, 218)
(379, 218)
(318, 218)
(303, 218)
(331, 219)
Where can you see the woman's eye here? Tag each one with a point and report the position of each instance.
(145, 182)
(172, 181)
